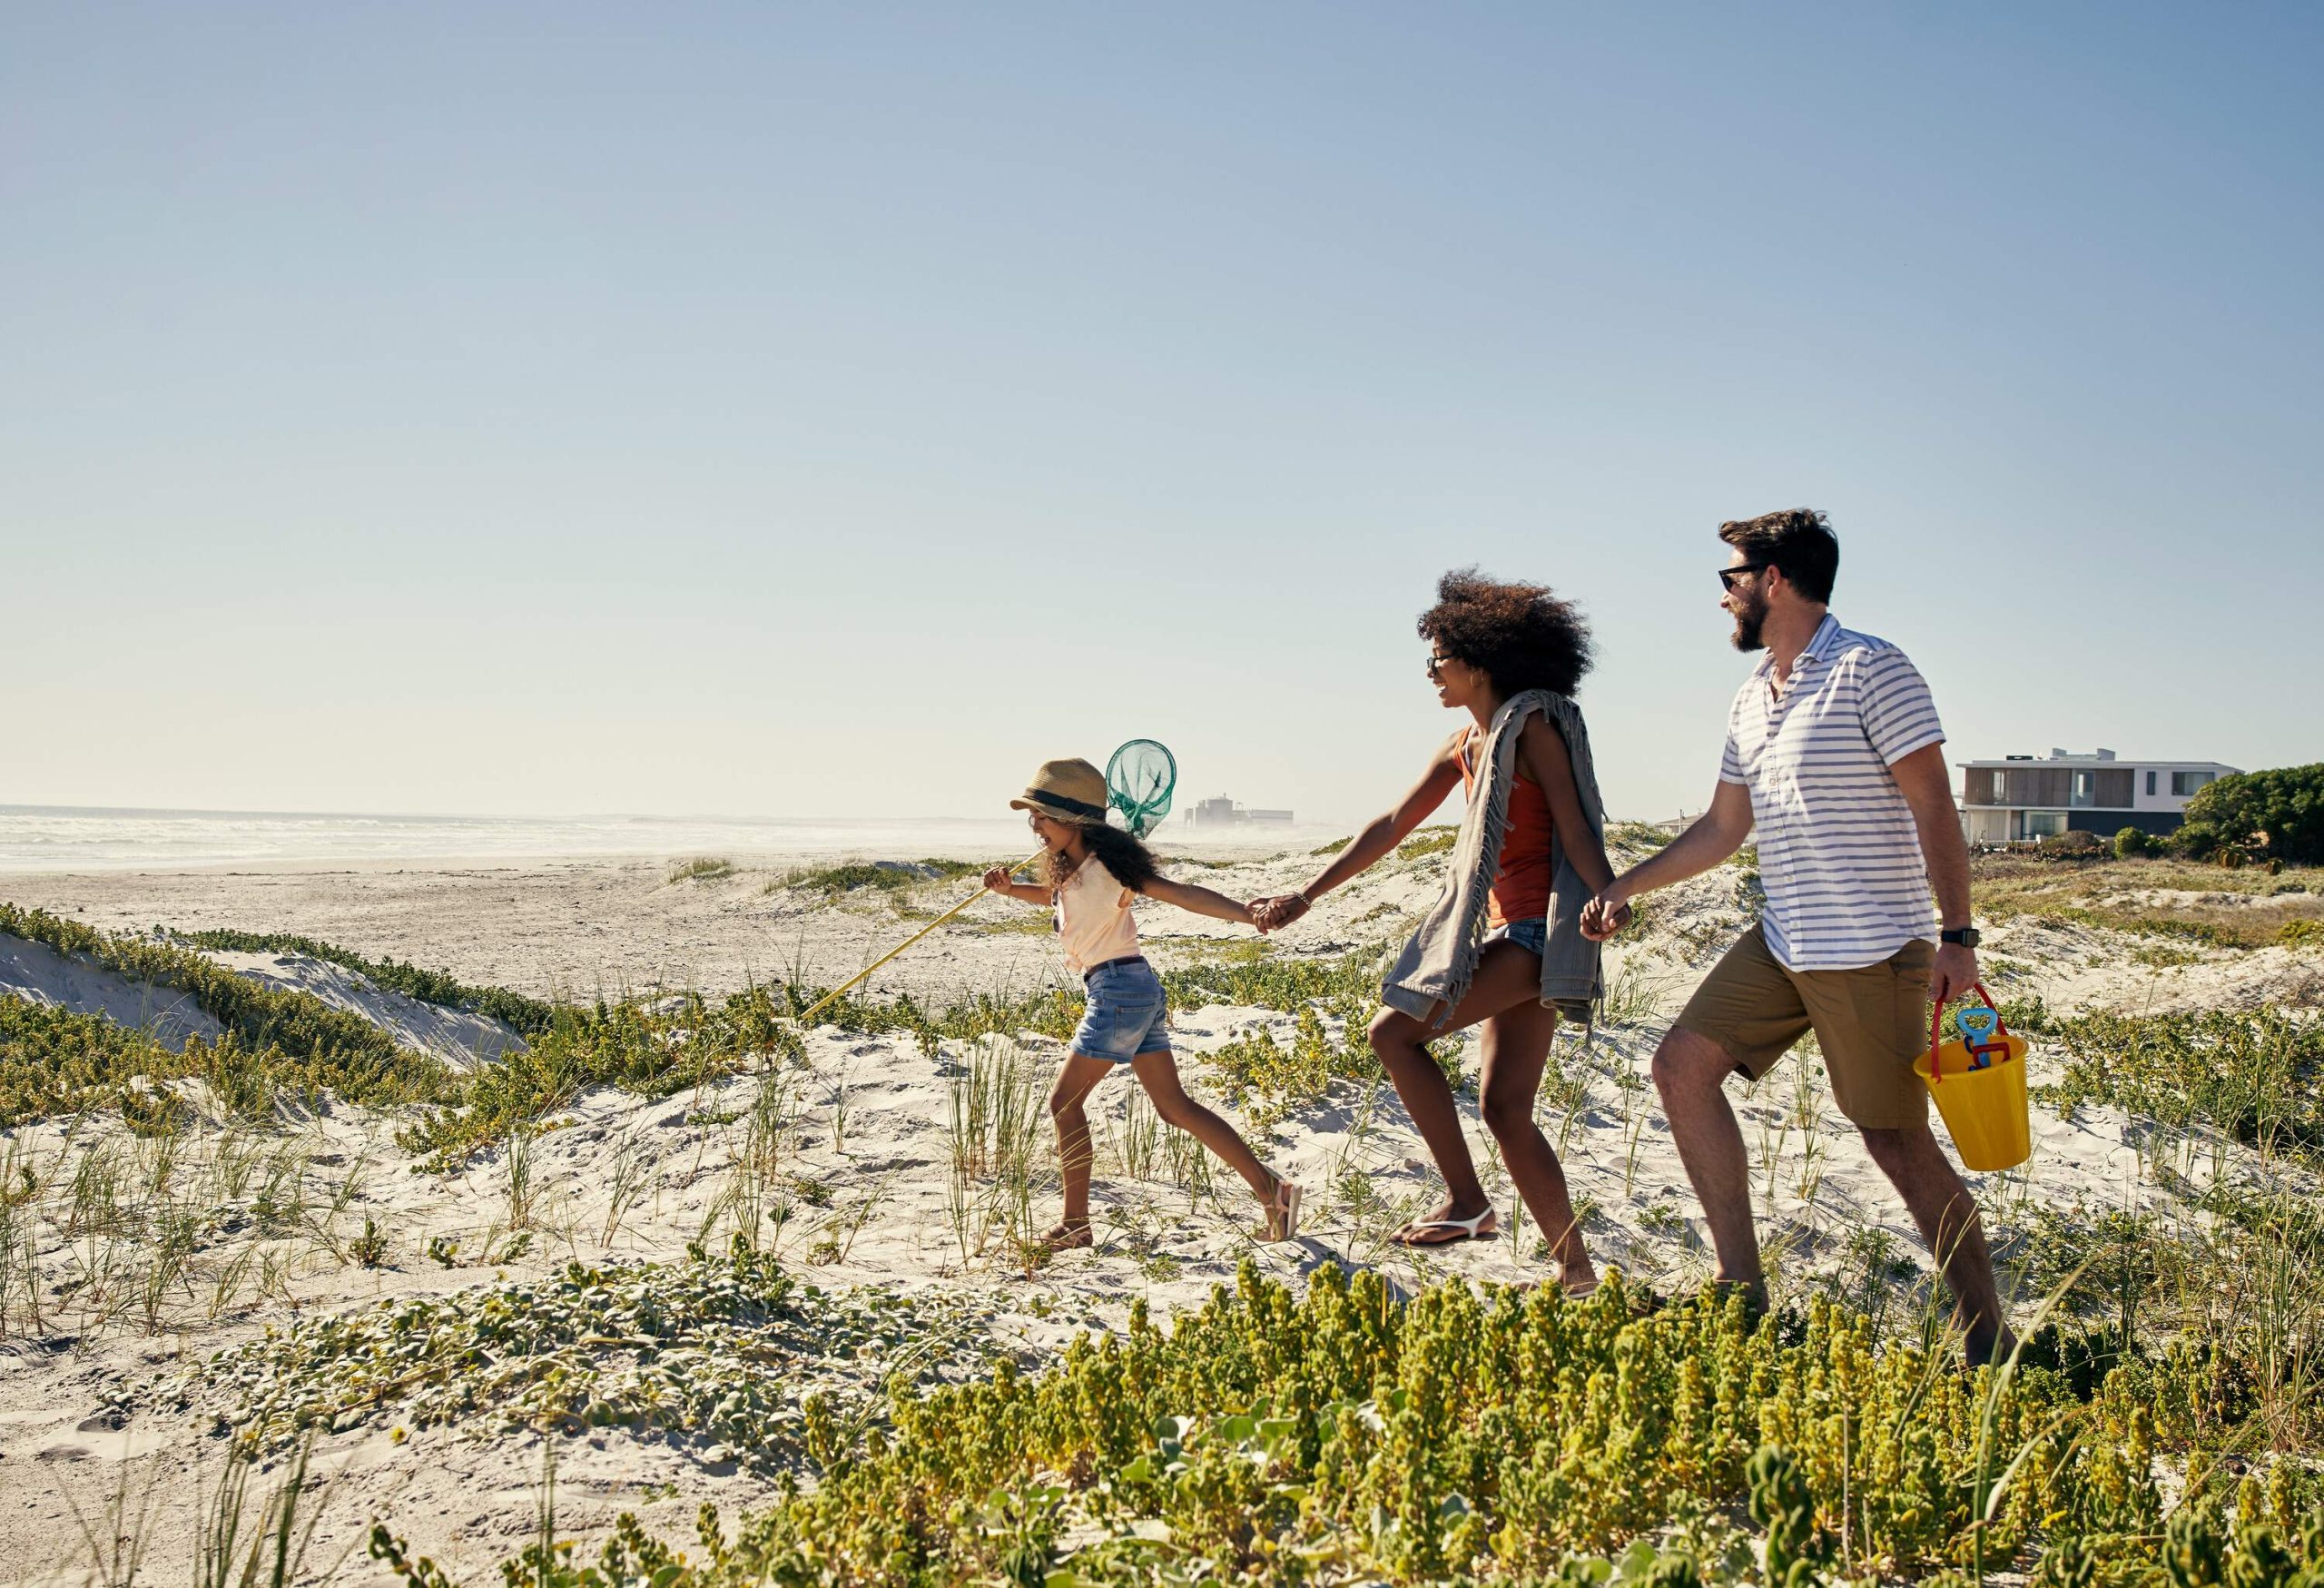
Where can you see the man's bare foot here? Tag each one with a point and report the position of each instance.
(1065, 1237)
(1447, 1225)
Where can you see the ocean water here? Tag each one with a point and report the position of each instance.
(54, 838)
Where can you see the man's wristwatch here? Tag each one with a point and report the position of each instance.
(1967, 936)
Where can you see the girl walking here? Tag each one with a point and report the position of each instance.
(1091, 872)
(1503, 943)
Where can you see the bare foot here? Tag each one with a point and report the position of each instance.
(1065, 1237)
(1447, 1225)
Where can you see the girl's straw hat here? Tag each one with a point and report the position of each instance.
(1069, 791)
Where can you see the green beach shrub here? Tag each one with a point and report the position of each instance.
(2279, 813)
(2131, 843)
(1343, 1435)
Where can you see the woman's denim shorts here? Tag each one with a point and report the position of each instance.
(1526, 934)
(1128, 1013)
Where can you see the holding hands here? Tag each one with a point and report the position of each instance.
(1278, 910)
(1607, 913)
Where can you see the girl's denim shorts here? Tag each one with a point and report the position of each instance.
(1128, 1014)
(1526, 934)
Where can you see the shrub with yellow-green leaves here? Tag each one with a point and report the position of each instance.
(1343, 1435)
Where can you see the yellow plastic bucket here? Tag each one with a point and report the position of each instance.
(1984, 1109)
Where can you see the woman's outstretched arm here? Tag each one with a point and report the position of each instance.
(1380, 835)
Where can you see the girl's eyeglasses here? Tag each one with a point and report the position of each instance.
(1727, 577)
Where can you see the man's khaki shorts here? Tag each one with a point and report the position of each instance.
(1872, 1022)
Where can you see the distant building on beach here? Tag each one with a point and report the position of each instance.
(1222, 812)
(2019, 799)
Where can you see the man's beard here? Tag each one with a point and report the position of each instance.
(1747, 623)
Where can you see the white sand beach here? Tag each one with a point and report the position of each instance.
(862, 1188)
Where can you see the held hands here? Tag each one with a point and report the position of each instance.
(1606, 914)
(1273, 915)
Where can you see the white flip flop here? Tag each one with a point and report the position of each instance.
(1283, 1215)
(1467, 1227)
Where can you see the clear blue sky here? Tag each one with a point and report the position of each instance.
(809, 410)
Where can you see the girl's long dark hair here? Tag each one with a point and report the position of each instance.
(1132, 863)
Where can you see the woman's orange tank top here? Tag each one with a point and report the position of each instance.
(1520, 888)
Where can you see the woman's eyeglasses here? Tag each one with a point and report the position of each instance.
(1436, 665)
(1727, 577)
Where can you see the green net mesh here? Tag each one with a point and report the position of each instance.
(1138, 781)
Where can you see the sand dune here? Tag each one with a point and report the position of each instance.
(844, 1163)
(36, 971)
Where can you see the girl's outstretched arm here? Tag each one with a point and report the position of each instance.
(1201, 900)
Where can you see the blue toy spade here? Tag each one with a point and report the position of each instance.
(1977, 1025)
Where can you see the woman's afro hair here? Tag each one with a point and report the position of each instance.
(1523, 635)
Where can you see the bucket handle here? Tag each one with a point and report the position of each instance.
(1936, 1028)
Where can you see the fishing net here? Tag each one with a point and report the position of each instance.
(1138, 781)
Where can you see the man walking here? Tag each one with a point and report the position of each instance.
(1835, 754)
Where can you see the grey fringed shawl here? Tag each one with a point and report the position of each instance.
(1436, 966)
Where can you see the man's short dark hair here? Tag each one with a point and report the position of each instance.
(1799, 541)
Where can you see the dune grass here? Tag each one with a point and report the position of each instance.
(2256, 1077)
(1427, 841)
(55, 1062)
(528, 1015)
(2219, 907)
(302, 1026)
(887, 876)
(702, 868)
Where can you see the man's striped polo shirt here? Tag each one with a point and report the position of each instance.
(1839, 853)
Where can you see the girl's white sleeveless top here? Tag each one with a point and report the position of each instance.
(1093, 920)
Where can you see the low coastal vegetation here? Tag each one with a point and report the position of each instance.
(57, 1061)
(2164, 1427)
(887, 876)
(1339, 1434)
(297, 1023)
(528, 1015)
(702, 868)
(728, 1353)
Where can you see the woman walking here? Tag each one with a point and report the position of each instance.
(1503, 944)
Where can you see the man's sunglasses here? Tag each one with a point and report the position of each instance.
(1727, 577)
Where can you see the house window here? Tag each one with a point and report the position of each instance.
(2085, 793)
(2186, 782)
(2045, 824)
(2150, 780)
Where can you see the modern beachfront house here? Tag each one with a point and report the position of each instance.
(2020, 798)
